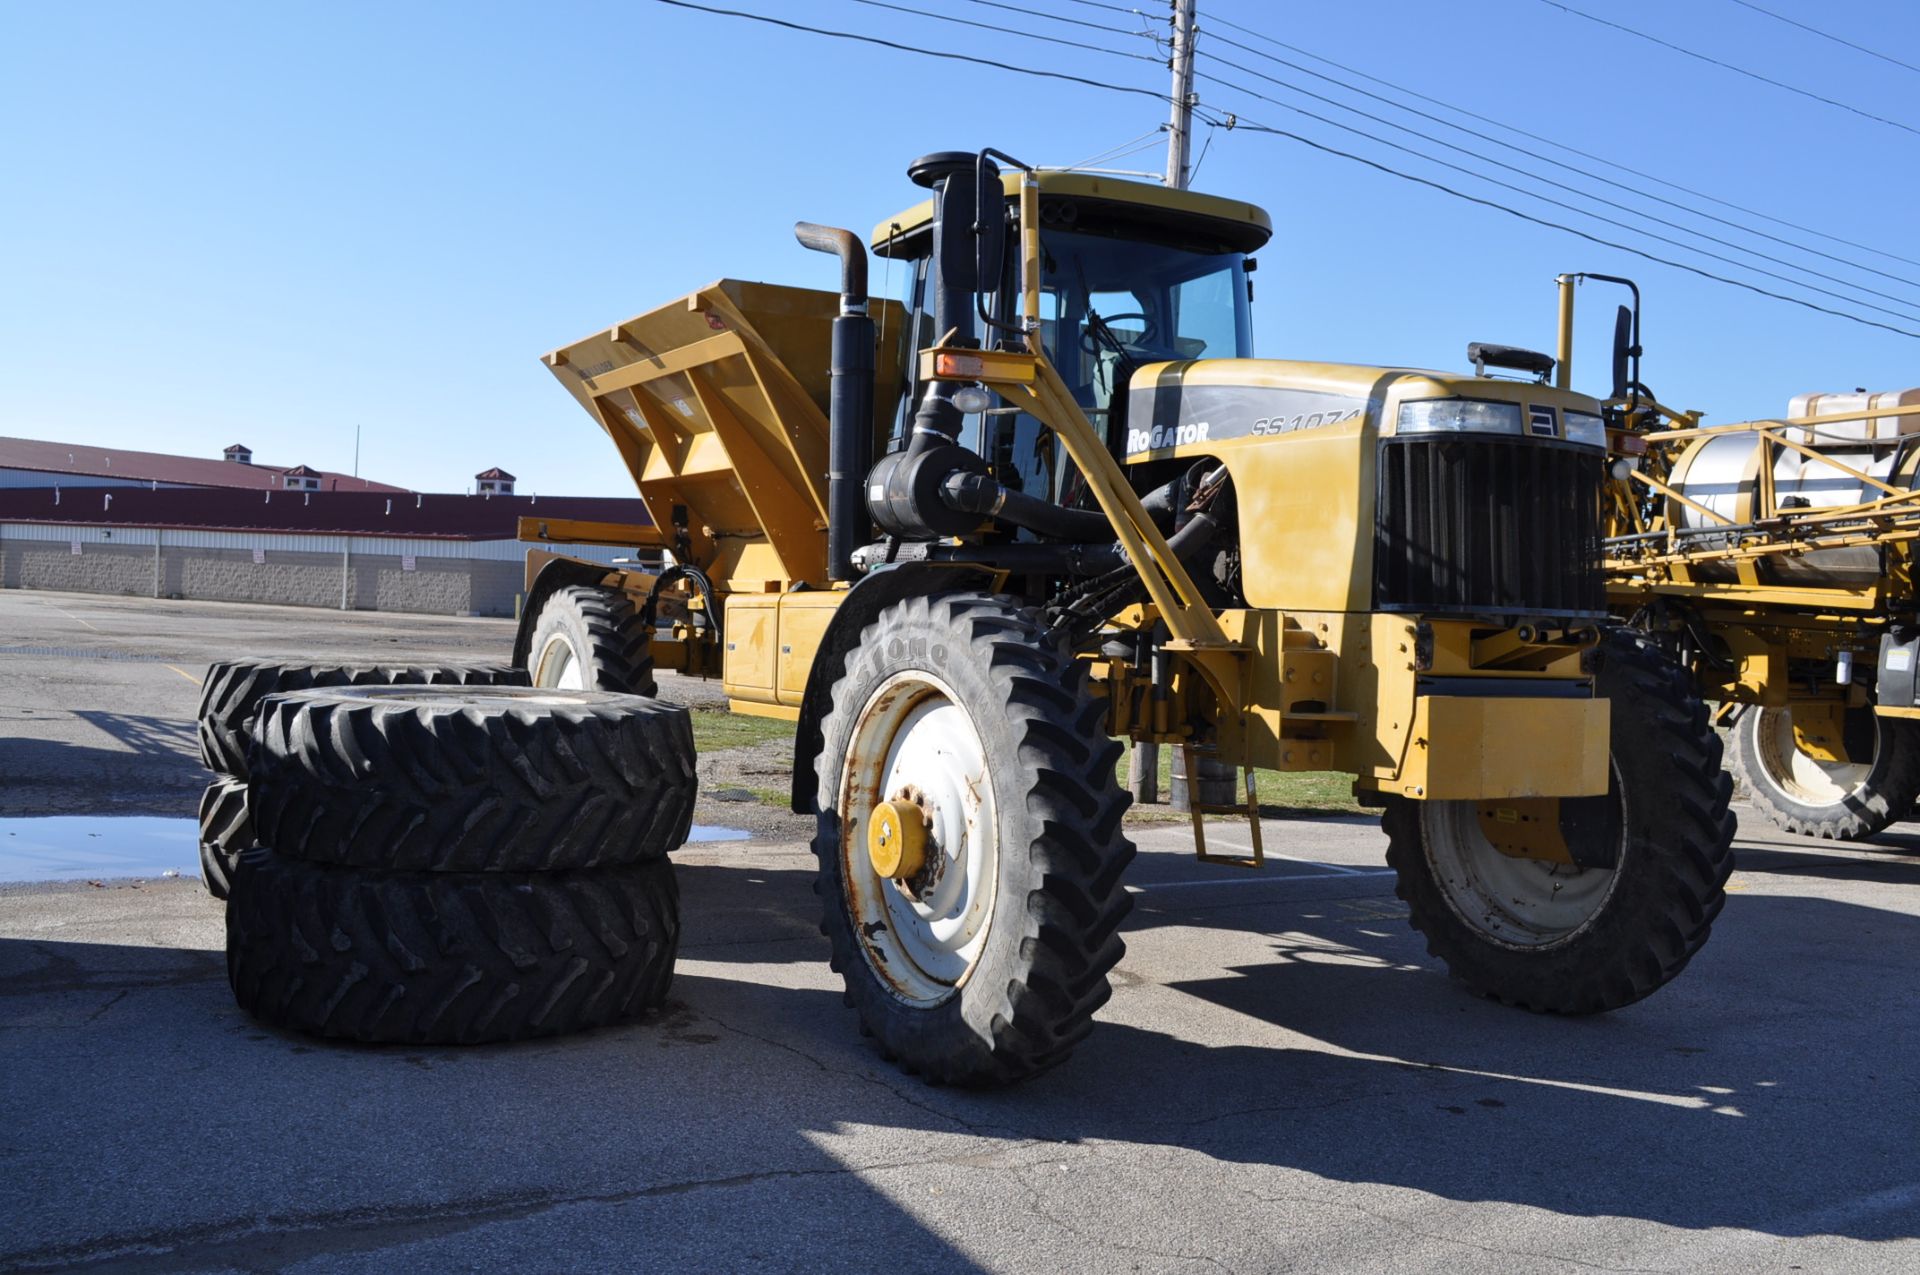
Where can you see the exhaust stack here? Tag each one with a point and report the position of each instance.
(850, 399)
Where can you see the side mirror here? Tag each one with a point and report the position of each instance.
(1622, 351)
(989, 226)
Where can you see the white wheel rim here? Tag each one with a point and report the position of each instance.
(559, 667)
(913, 734)
(1804, 779)
(1522, 903)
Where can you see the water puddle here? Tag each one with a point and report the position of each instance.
(98, 847)
(106, 847)
(712, 832)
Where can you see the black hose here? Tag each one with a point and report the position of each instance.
(980, 494)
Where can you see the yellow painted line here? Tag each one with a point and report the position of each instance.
(183, 673)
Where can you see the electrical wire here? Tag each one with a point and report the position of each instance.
(1132, 146)
(986, 26)
(943, 54)
(1572, 168)
(1253, 126)
(1235, 121)
(1030, 12)
(1205, 147)
(1728, 66)
(1532, 194)
(1571, 150)
(1826, 35)
(1116, 8)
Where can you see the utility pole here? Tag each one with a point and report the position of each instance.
(1180, 128)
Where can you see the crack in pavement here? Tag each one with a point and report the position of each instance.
(1401, 1224)
(1037, 1208)
(63, 974)
(974, 1127)
(276, 1241)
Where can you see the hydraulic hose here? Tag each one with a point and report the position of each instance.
(981, 494)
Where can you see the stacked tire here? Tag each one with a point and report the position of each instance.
(443, 864)
(230, 700)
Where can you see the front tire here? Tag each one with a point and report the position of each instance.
(1561, 938)
(1841, 801)
(987, 965)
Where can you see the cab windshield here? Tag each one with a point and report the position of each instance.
(1108, 307)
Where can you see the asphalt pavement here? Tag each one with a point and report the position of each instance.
(1282, 1081)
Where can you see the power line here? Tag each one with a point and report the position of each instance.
(1826, 35)
(1547, 199)
(1571, 150)
(1554, 225)
(1100, 4)
(1030, 12)
(1728, 66)
(929, 53)
(1309, 142)
(1572, 168)
(986, 26)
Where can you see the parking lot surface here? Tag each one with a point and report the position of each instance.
(1282, 1081)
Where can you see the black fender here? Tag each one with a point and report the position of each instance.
(560, 573)
(868, 598)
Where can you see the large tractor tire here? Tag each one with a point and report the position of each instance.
(1841, 801)
(969, 841)
(448, 958)
(226, 829)
(592, 639)
(472, 779)
(230, 697)
(1558, 937)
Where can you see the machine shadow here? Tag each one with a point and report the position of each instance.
(1661, 1111)
(136, 1089)
(48, 776)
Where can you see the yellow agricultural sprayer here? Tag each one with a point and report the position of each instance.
(970, 539)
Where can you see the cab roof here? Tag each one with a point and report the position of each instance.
(1233, 225)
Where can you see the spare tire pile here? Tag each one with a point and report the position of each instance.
(458, 864)
(230, 700)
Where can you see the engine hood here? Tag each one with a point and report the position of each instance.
(1176, 406)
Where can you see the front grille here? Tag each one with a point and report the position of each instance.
(1488, 526)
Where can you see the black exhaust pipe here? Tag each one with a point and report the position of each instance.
(850, 400)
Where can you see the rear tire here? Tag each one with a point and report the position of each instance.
(462, 779)
(592, 639)
(1564, 939)
(441, 958)
(1836, 800)
(988, 965)
(230, 697)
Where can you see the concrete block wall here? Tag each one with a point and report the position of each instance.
(40, 564)
(375, 582)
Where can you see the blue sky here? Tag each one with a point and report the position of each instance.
(268, 223)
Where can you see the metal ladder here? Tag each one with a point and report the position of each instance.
(1190, 756)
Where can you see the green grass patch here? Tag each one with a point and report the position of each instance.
(715, 729)
(1280, 792)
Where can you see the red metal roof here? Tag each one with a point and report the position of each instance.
(432, 515)
(117, 462)
(497, 473)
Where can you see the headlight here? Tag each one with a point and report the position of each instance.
(1459, 416)
(1585, 427)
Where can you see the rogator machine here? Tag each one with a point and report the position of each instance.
(1775, 560)
(970, 540)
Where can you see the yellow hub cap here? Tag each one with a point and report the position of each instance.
(897, 840)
